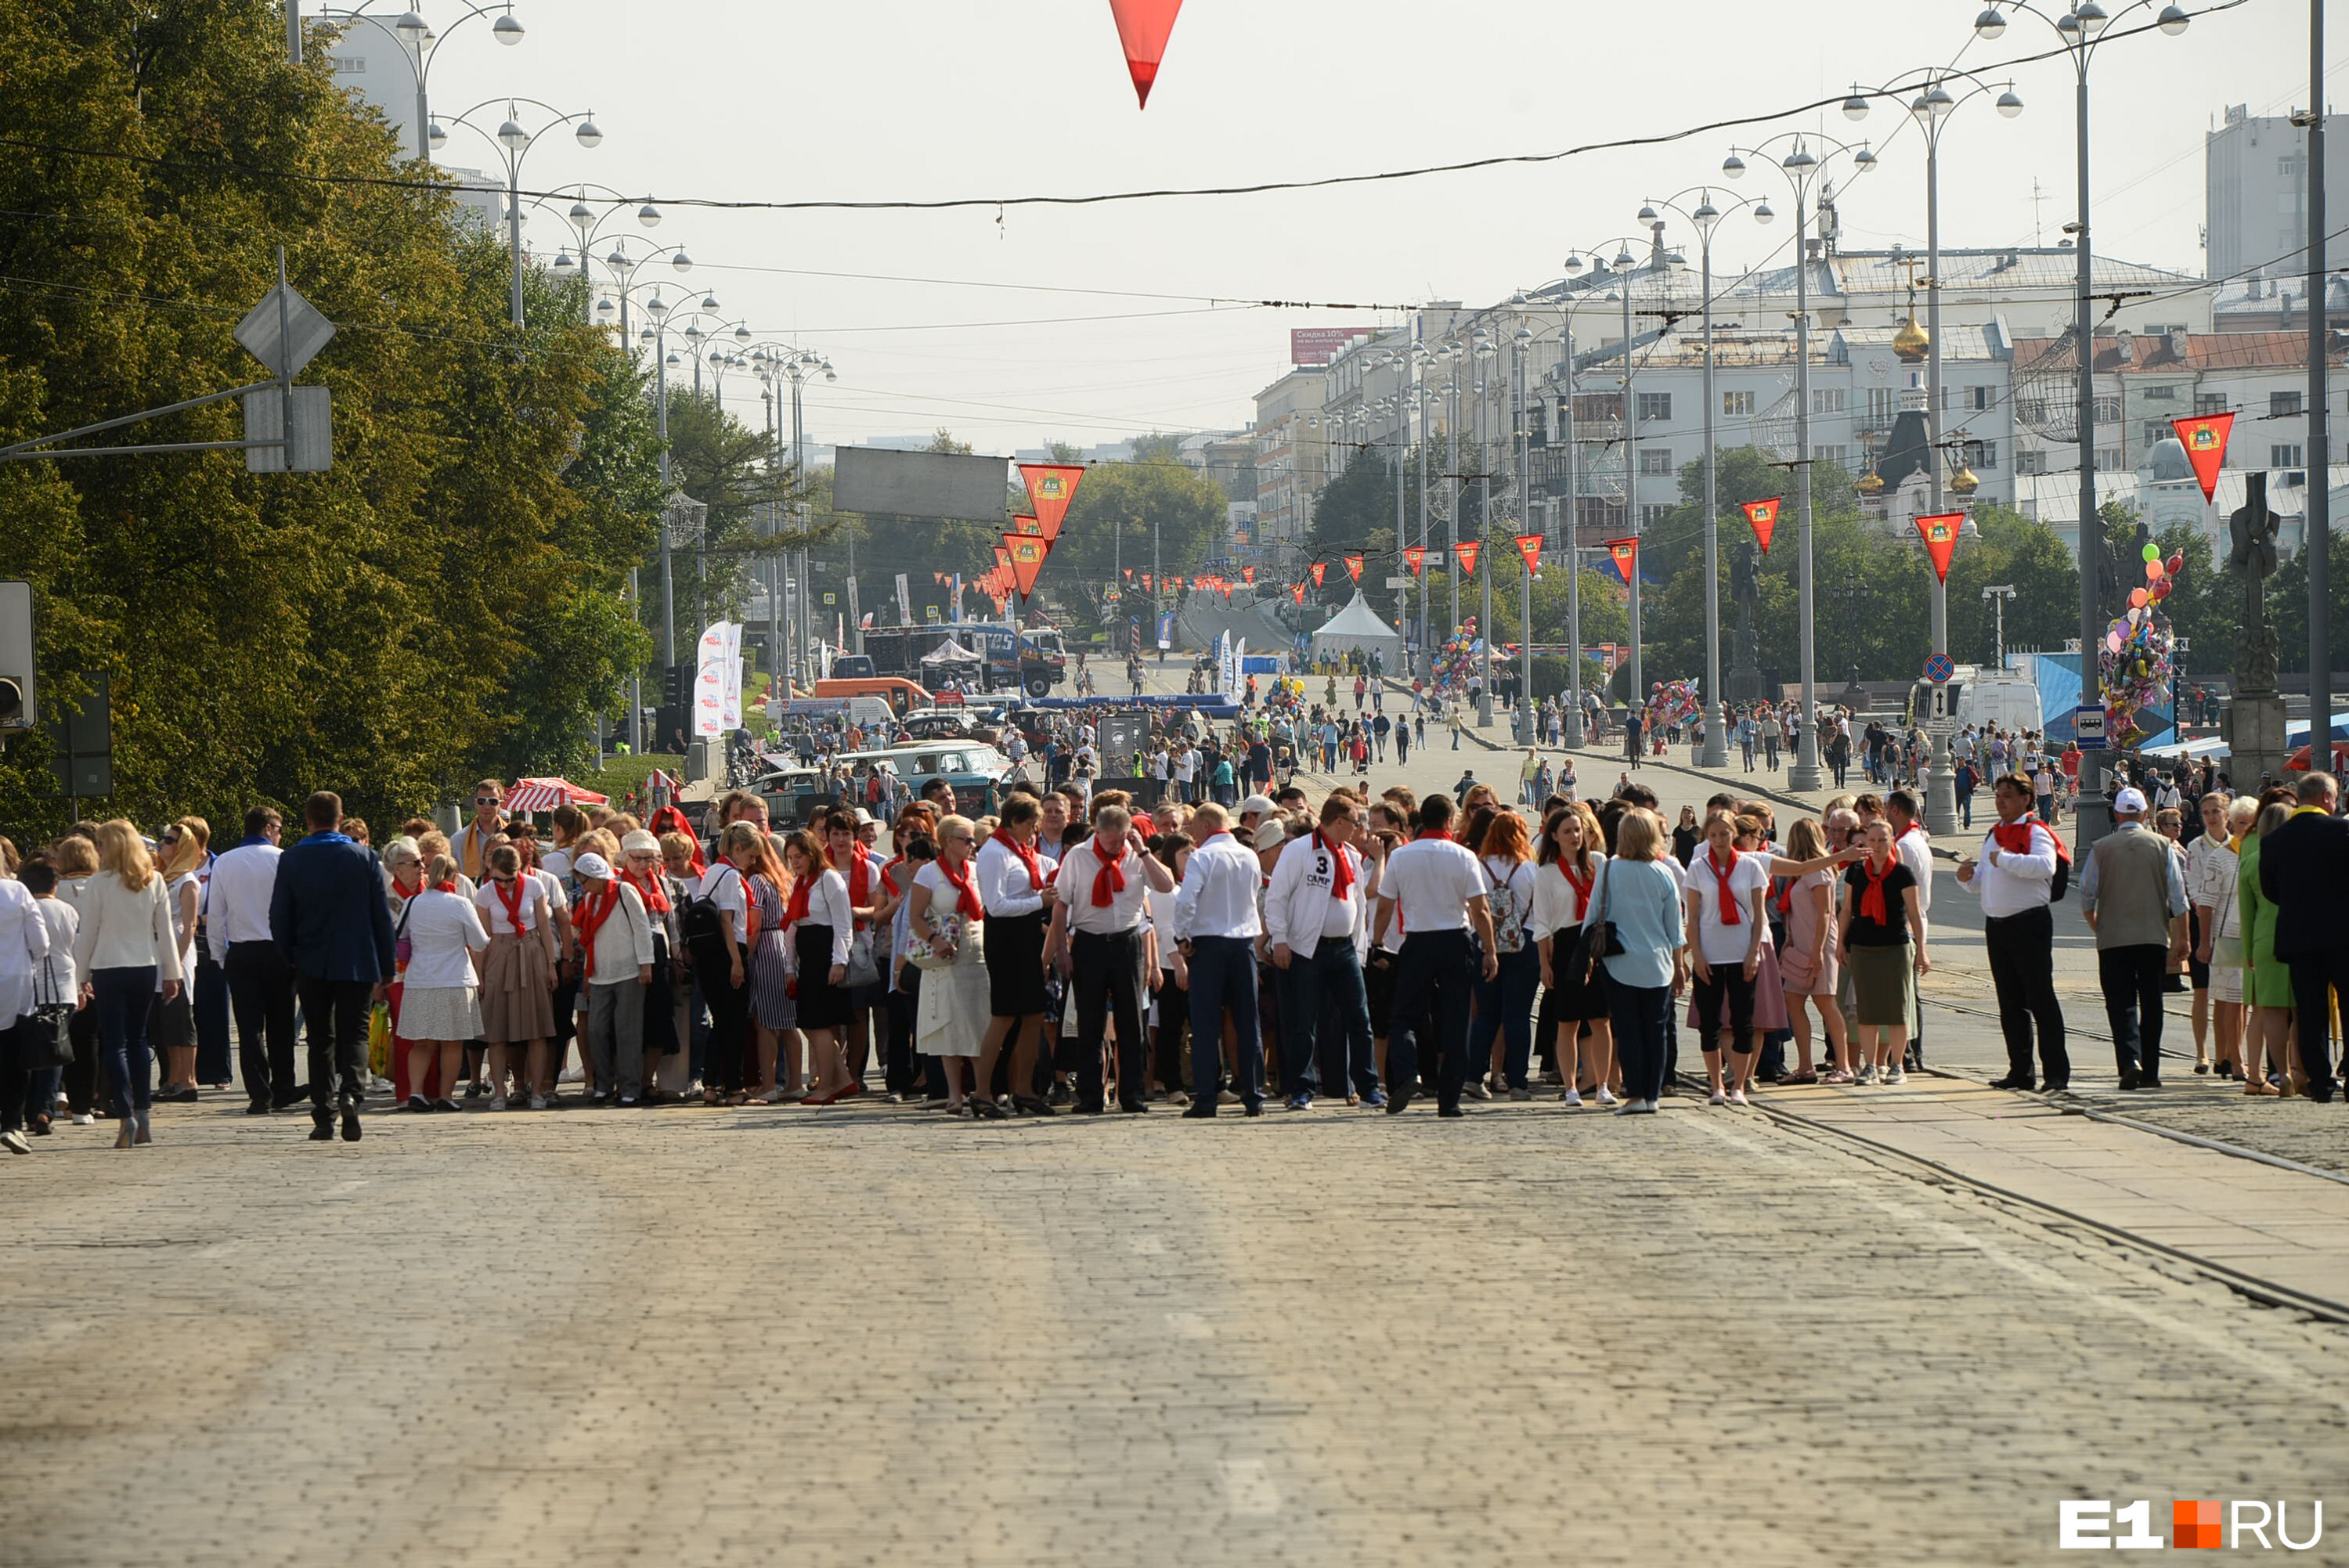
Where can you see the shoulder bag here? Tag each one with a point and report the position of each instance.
(44, 1036)
(1601, 940)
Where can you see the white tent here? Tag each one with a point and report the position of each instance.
(1358, 626)
(950, 653)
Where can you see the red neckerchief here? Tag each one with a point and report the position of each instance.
(966, 895)
(1580, 884)
(1911, 827)
(1425, 834)
(2015, 837)
(1026, 853)
(1729, 915)
(889, 882)
(596, 903)
(795, 909)
(1109, 880)
(669, 820)
(1342, 876)
(509, 894)
(406, 893)
(859, 872)
(1786, 896)
(1871, 900)
(650, 889)
(444, 887)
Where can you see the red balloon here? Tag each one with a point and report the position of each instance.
(2176, 564)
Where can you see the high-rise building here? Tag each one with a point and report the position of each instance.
(2255, 196)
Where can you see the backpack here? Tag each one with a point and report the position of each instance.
(702, 923)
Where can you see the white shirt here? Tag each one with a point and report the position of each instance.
(1080, 867)
(440, 928)
(623, 942)
(236, 902)
(1556, 905)
(535, 905)
(1430, 882)
(1718, 941)
(1004, 885)
(723, 886)
(1915, 852)
(1160, 910)
(58, 978)
(1298, 907)
(24, 944)
(2210, 871)
(121, 929)
(187, 932)
(828, 905)
(2018, 882)
(1217, 897)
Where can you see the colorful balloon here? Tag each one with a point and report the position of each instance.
(2153, 572)
(2152, 552)
(2177, 563)
(2136, 599)
(2113, 641)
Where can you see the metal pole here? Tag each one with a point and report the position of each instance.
(1715, 753)
(1451, 522)
(1573, 532)
(294, 31)
(513, 229)
(1940, 784)
(1485, 535)
(1403, 437)
(2090, 816)
(669, 577)
(635, 678)
(1638, 693)
(1805, 773)
(2317, 538)
(423, 112)
(1526, 728)
(1426, 638)
(777, 647)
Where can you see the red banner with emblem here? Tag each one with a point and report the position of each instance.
(1626, 553)
(1415, 557)
(2204, 436)
(1764, 516)
(1051, 487)
(1296, 592)
(1247, 575)
(1467, 550)
(1028, 554)
(1318, 568)
(1940, 533)
(1354, 567)
(1529, 545)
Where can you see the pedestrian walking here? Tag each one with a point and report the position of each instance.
(1726, 932)
(329, 919)
(2267, 979)
(1099, 939)
(616, 953)
(818, 930)
(1633, 928)
(2013, 875)
(1572, 850)
(2212, 865)
(1501, 1034)
(1015, 885)
(260, 981)
(2132, 897)
(1434, 891)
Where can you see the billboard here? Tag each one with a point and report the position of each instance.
(919, 484)
(1319, 345)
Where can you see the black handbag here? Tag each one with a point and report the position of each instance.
(44, 1036)
(1600, 940)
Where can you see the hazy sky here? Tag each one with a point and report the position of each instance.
(1044, 324)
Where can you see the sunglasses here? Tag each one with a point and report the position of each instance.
(485, 799)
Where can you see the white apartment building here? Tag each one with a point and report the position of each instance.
(371, 66)
(1291, 456)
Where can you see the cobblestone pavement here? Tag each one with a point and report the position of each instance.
(874, 1335)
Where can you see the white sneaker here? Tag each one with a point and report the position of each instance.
(1606, 1095)
(85, 1120)
(1737, 1097)
(1866, 1074)
(1717, 1098)
(1897, 1074)
(572, 1075)
(15, 1142)
(1573, 1096)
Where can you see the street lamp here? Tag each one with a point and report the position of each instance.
(1705, 218)
(586, 228)
(1997, 597)
(1575, 737)
(788, 363)
(655, 338)
(1801, 167)
(513, 141)
(419, 46)
(1930, 105)
(2077, 31)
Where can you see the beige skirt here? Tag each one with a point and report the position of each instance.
(517, 991)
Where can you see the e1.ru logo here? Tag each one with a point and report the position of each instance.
(2094, 1526)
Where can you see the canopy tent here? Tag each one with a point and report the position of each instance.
(546, 794)
(950, 653)
(1358, 629)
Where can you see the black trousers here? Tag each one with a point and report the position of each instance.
(1174, 1022)
(2314, 976)
(1729, 985)
(2022, 949)
(2131, 978)
(1434, 977)
(334, 1012)
(901, 1070)
(1106, 970)
(261, 994)
(729, 1020)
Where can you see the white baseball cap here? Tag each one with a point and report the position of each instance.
(2129, 802)
(592, 866)
(1257, 805)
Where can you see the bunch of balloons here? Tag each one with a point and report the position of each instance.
(1669, 703)
(2137, 660)
(1459, 658)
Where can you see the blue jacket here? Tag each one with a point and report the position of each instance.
(328, 915)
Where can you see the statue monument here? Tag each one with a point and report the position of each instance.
(2252, 722)
(1745, 681)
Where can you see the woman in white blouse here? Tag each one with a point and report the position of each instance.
(945, 911)
(1573, 850)
(817, 926)
(126, 947)
(172, 1024)
(440, 999)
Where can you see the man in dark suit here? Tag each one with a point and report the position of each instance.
(329, 917)
(2304, 869)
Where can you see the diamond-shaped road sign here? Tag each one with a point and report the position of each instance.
(284, 330)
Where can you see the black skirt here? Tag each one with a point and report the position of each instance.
(1015, 965)
(1570, 1000)
(822, 1004)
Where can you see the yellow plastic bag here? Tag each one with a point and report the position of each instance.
(379, 1041)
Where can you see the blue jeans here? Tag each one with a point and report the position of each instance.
(1432, 978)
(1223, 979)
(1506, 1002)
(1642, 1017)
(1327, 979)
(123, 997)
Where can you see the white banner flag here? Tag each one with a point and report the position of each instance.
(718, 680)
(905, 602)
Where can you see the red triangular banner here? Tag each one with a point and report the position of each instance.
(1028, 554)
(1142, 26)
(1296, 592)
(1626, 553)
(2204, 436)
(1416, 556)
(1129, 574)
(1051, 487)
(1764, 516)
(1467, 550)
(1940, 535)
(1032, 526)
(1318, 568)
(1002, 558)
(1354, 566)
(1247, 575)
(1529, 546)
(1145, 581)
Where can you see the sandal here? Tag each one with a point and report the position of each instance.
(1806, 1076)
(2258, 1086)
(1841, 1075)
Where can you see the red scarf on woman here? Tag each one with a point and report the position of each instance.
(669, 820)
(966, 895)
(1110, 880)
(406, 893)
(1026, 853)
(888, 881)
(1729, 915)
(596, 903)
(859, 872)
(1342, 875)
(509, 894)
(652, 890)
(1581, 886)
(802, 890)
(1871, 899)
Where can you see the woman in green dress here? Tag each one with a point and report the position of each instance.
(2267, 979)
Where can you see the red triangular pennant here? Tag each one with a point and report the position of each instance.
(1940, 535)
(1764, 516)
(1031, 527)
(1626, 553)
(2204, 436)
(1002, 557)
(1467, 550)
(1051, 487)
(1318, 568)
(1529, 546)
(1416, 556)
(1028, 553)
(1354, 566)
(1247, 575)
(1142, 26)
(1129, 574)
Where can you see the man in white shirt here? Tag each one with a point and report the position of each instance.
(260, 981)
(1904, 811)
(1315, 919)
(1097, 940)
(2015, 878)
(1436, 890)
(1217, 925)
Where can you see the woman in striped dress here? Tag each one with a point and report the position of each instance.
(772, 1011)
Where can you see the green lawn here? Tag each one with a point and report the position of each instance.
(622, 774)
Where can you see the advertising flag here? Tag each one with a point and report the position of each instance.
(1247, 575)
(1467, 550)
(1142, 27)
(1129, 574)
(1529, 546)
(1027, 559)
(1030, 526)
(1626, 553)
(1051, 487)
(1416, 556)
(2204, 438)
(1940, 535)
(718, 680)
(1296, 592)
(1764, 516)
(1354, 567)
(1318, 568)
